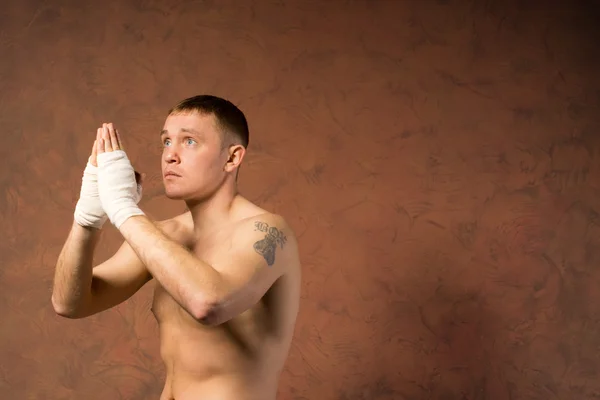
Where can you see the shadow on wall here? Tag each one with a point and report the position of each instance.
(432, 334)
(489, 302)
(404, 316)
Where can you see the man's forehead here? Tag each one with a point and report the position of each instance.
(189, 122)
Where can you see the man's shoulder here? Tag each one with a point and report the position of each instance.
(265, 223)
(253, 227)
(267, 234)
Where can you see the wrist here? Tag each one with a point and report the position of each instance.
(124, 213)
(118, 190)
(85, 233)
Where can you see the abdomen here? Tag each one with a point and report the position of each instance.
(243, 344)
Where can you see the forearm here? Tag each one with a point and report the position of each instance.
(73, 274)
(191, 282)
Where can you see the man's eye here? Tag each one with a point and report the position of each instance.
(191, 140)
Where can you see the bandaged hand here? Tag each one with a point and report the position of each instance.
(88, 210)
(118, 190)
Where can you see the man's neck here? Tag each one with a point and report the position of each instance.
(214, 211)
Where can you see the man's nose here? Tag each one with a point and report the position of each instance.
(171, 155)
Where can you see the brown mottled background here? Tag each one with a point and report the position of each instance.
(439, 160)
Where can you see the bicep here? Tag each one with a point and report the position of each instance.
(123, 271)
(259, 260)
(117, 279)
(239, 290)
(121, 276)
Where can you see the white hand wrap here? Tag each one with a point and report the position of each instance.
(89, 211)
(119, 192)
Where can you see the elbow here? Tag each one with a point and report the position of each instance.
(64, 310)
(209, 313)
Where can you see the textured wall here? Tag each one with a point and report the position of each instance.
(439, 160)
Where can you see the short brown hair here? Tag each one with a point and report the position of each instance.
(230, 119)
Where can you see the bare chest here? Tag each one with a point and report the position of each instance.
(182, 335)
(164, 307)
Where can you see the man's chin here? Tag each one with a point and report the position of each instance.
(174, 195)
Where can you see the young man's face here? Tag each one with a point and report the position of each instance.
(193, 152)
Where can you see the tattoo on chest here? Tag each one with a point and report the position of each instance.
(266, 247)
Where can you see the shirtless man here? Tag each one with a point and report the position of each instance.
(226, 272)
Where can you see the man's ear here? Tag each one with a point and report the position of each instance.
(236, 155)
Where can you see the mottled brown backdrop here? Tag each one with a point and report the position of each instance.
(439, 161)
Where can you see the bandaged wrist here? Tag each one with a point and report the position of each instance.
(88, 210)
(119, 191)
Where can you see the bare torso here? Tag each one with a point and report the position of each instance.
(239, 360)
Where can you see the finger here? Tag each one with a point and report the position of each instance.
(100, 146)
(106, 145)
(98, 142)
(93, 156)
(114, 142)
(119, 140)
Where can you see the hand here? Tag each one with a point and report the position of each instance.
(88, 211)
(118, 189)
